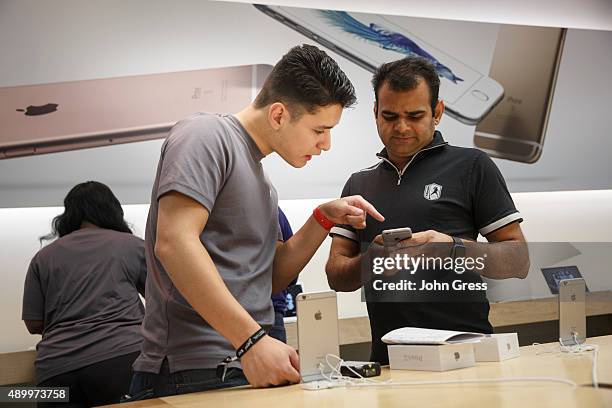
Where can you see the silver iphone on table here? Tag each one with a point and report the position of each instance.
(572, 311)
(317, 327)
(370, 40)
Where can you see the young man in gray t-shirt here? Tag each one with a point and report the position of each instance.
(213, 245)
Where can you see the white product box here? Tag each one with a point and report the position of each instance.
(431, 357)
(497, 347)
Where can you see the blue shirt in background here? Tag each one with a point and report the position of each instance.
(280, 299)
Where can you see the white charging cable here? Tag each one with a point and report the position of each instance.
(337, 379)
(578, 348)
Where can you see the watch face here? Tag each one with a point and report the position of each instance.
(458, 250)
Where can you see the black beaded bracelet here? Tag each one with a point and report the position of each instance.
(250, 342)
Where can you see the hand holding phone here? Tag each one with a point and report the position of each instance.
(392, 237)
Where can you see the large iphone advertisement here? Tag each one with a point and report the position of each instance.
(511, 91)
(108, 111)
(509, 108)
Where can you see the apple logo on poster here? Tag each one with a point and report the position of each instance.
(39, 110)
(318, 315)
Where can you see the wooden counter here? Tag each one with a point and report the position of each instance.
(533, 362)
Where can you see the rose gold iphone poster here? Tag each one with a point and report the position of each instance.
(36, 119)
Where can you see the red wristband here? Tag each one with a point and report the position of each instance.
(322, 220)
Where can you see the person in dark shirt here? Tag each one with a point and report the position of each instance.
(447, 195)
(81, 293)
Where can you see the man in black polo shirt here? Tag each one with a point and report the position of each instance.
(446, 194)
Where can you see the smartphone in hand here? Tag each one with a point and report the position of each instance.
(392, 237)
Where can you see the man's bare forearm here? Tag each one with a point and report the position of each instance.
(292, 256)
(344, 272)
(507, 259)
(195, 276)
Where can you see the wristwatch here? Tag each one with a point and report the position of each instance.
(458, 249)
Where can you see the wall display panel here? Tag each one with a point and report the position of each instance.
(582, 240)
(544, 119)
(75, 115)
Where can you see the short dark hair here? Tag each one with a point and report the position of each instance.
(93, 202)
(307, 78)
(405, 74)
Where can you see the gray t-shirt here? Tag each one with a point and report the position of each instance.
(84, 287)
(213, 160)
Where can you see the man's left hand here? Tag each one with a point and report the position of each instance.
(425, 237)
(429, 243)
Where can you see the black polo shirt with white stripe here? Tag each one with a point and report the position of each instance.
(453, 190)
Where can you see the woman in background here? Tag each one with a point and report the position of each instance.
(81, 293)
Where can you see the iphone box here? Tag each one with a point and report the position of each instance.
(431, 357)
(497, 347)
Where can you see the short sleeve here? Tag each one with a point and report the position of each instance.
(493, 207)
(345, 231)
(33, 295)
(195, 159)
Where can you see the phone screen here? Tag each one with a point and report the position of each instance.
(375, 39)
(555, 275)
